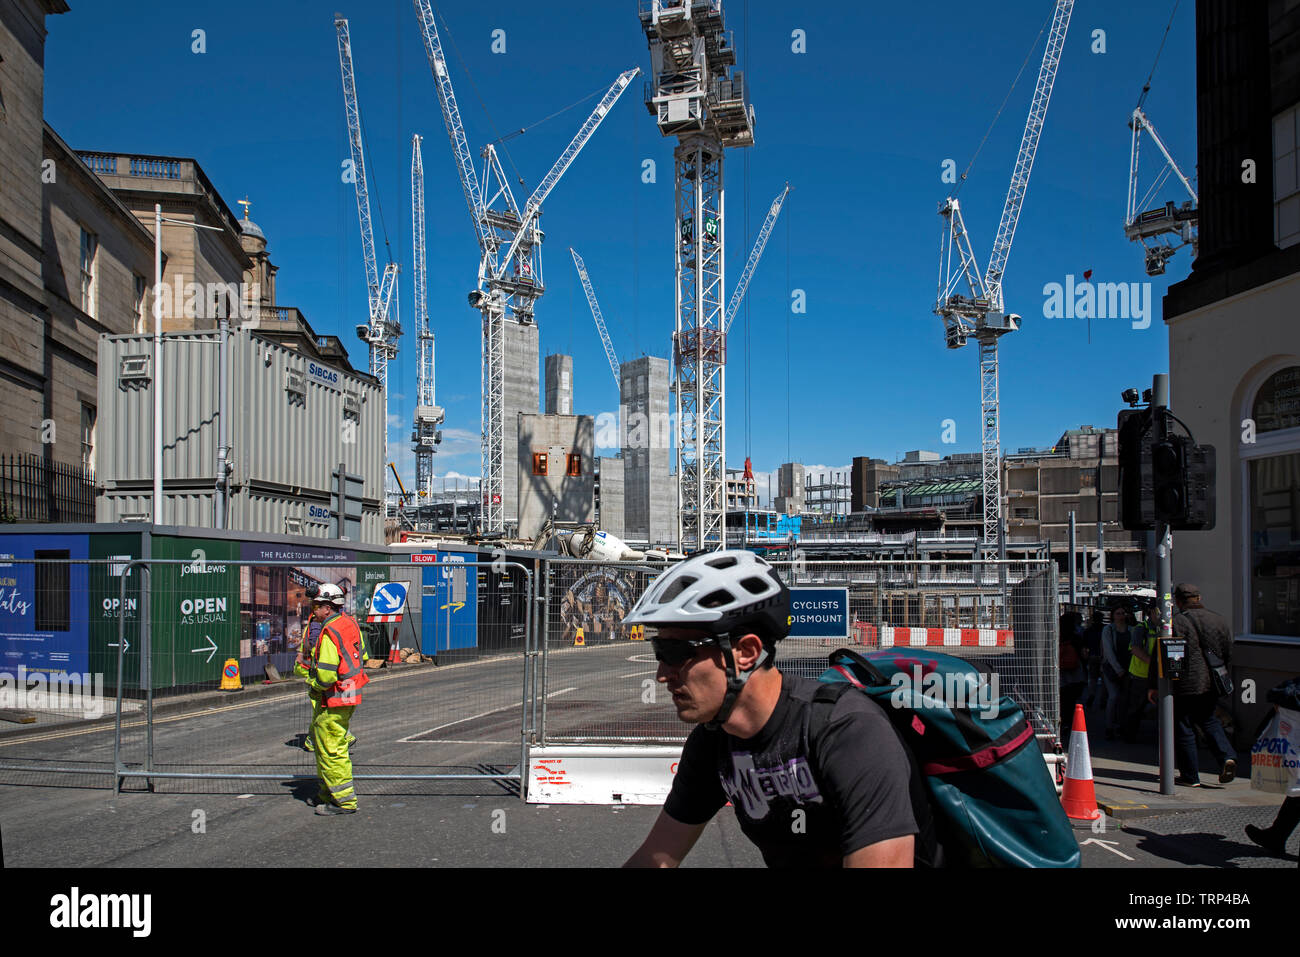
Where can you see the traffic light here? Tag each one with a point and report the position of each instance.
(1170, 481)
(1136, 508)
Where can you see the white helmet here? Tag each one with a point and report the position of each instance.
(330, 595)
(726, 593)
(717, 592)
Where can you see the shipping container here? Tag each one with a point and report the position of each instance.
(293, 423)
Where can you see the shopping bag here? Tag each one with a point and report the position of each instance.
(1275, 758)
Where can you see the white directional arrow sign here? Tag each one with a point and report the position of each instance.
(1107, 846)
(211, 650)
(126, 643)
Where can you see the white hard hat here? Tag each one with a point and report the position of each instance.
(331, 595)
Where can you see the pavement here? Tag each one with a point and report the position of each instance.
(1193, 827)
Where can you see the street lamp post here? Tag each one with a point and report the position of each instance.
(158, 222)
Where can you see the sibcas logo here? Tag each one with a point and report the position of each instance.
(323, 374)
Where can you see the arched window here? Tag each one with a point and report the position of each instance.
(1271, 479)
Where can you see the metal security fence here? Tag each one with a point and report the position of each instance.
(198, 683)
(35, 490)
(600, 687)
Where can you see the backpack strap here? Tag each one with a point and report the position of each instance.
(819, 715)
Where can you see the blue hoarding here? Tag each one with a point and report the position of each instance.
(819, 612)
(43, 615)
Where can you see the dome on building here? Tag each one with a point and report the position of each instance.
(250, 228)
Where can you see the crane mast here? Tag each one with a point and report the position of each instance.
(428, 416)
(982, 313)
(382, 331)
(509, 283)
(695, 97)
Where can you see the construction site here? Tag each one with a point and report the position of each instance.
(953, 463)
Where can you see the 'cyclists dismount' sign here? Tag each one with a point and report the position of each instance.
(819, 613)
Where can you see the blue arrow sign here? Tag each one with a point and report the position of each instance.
(389, 598)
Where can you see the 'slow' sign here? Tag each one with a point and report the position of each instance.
(819, 613)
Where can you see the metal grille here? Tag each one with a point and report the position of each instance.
(999, 614)
(462, 718)
(34, 490)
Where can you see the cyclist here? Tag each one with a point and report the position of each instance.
(852, 798)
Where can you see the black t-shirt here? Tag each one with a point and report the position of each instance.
(861, 791)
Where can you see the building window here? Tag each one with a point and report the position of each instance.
(88, 437)
(53, 591)
(141, 323)
(1277, 404)
(1275, 545)
(575, 464)
(1286, 178)
(89, 250)
(539, 463)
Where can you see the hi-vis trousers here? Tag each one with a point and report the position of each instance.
(333, 763)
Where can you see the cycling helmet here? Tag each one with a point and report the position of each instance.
(728, 594)
(330, 595)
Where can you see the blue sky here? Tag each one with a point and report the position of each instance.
(860, 124)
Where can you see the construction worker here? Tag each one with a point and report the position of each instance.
(302, 666)
(337, 676)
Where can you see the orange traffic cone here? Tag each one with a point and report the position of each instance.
(1078, 798)
(394, 658)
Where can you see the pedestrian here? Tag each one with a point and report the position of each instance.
(1142, 648)
(1095, 693)
(1073, 670)
(1274, 837)
(337, 676)
(1115, 639)
(853, 793)
(1195, 694)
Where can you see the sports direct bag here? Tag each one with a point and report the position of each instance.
(1275, 758)
(993, 799)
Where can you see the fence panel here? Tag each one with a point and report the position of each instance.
(999, 614)
(459, 719)
(599, 688)
(62, 621)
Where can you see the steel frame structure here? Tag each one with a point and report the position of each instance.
(428, 416)
(509, 282)
(1143, 227)
(695, 99)
(982, 313)
(610, 354)
(382, 332)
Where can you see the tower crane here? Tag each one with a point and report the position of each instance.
(696, 99)
(595, 313)
(382, 331)
(982, 313)
(1178, 219)
(428, 415)
(509, 239)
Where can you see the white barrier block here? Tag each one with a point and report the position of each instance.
(601, 775)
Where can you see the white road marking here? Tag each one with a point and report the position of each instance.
(481, 714)
(634, 674)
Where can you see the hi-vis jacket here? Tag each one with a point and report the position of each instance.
(337, 663)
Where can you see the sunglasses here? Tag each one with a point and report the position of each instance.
(675, 652)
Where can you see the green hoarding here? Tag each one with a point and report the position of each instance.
(106, 607)
(195, 611)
